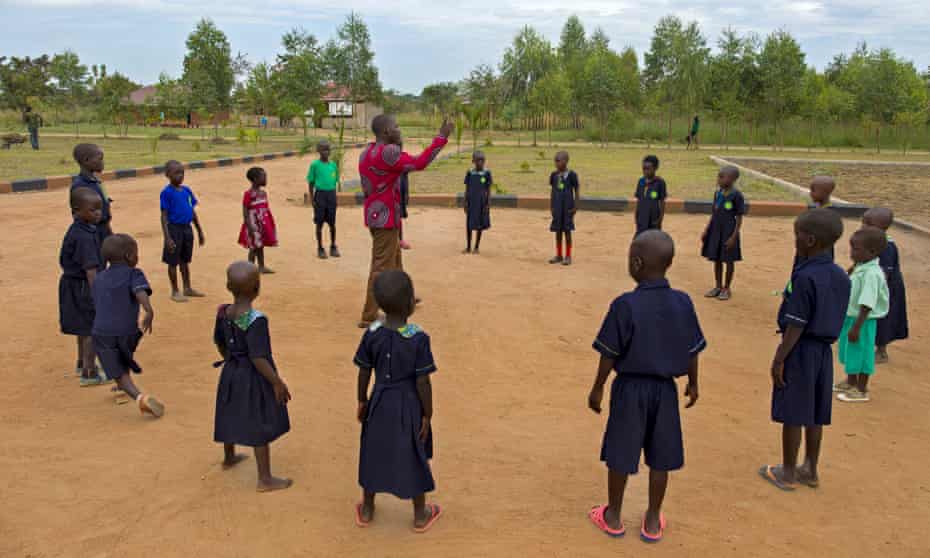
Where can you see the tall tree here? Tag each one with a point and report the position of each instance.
(724, 80)
(608, 83)
(441, 98)
(549, 97)
(525, 62)
(70, 81)
(781, 65)
(888, 87)
(573, 49)
(22, 79)
(298, 75)
(350, 60)
(483, 86)
(259, 95)
(112, 93)
(209, 69)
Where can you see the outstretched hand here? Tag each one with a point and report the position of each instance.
(446, 129)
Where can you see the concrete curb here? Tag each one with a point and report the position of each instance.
(864, 162)
(845, 208)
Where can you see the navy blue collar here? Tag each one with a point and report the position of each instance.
(86, 226)
(821, 258)
(653, 284)
(89, 177)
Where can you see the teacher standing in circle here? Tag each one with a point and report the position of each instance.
(380, 167)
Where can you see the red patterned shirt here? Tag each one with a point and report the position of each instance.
(380, 168)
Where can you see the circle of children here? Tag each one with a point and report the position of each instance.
(649, 337)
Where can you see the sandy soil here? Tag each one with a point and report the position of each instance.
(903, 188)
(517, 450)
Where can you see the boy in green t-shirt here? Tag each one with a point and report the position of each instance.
(322, 179)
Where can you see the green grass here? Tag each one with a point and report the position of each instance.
(54, 157)
(603, 173)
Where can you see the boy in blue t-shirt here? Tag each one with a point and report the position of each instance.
(810, 319)
(177, 214)
(650, 336)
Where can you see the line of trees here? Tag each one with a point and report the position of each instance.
(213, 82)
(746, 83)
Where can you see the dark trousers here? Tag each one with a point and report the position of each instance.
(34, 137)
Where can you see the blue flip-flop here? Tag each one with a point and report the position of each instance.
(766, 473)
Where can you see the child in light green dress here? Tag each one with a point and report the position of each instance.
(868, 302)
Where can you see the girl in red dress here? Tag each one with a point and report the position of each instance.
(258, 228)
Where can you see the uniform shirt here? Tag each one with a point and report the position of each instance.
(323, 176)
(380, 167)
(652, 331)
(114, 293)
(869, 288)
(80, 250)
(397, 356)
(890, 261)
(649, 197)
(816, 299)
(179, 203)
(90, 181)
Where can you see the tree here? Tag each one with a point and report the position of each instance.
(259, 95)
(483, 86)
(549, 96)
(608, 82)
(525, 62)
(112, 94)
(350, 60)
(888, 87)
(440, 98)
(22, 79)
(477, 118)
(172, 97)
(724, 80)
(209, 70)
(298, 77)
(573, 49)
(70, 83)
(781, 65)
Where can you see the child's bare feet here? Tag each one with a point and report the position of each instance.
(178, 297)
(272, 484)
(233, 460)
(192, 293)
(266, 270)
(366, 512)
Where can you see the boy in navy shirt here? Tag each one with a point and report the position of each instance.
(118, 292)
(177, 214)
(89, 158)
(650, 197)
(810, 319)
(80, 261)
(649, 337)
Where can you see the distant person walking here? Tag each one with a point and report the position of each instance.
(693, 133)
(33, 121)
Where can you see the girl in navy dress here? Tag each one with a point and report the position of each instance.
(721, 237)
(651, 192)
(477, 201)
(80, 261)
(563, 201)
(892, 327)
(397, 439)
(251, 399)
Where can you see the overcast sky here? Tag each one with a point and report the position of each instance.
(418, 42)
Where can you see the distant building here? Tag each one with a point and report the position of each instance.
(355, 113)
(145, 96)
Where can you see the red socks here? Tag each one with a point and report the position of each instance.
(568, 250)
(558, 249)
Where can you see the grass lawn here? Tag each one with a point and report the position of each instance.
(609, 172)
(54, 157)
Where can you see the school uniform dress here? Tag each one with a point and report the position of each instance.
(116, 324)
(179, 204)
(562, 200)
(80, 252)
(478, 200)
(815, 300)
(652, 333)
(727, 207)
(869, 288)
(892, 327)
(392, 459)
(93, 183)
(259, 216)
(649, 198)
(247, 412)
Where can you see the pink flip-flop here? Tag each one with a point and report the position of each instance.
(649, 538)
(359, 522)
(437, 511)
(596, 515)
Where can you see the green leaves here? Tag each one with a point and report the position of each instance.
(208, 68)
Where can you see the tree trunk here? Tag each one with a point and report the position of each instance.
(810, 144)
(878, 138)
(752, 133)
(726, 133)
(669, 126)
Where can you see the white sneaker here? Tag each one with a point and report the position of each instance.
(853, 396)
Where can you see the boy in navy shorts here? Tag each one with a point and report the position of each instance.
(810, 319)
(649, 337)
(177, 214)
(118, 292)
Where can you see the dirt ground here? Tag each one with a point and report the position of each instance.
(903, 188)
(516, 447)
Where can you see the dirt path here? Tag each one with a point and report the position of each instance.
(516, 461)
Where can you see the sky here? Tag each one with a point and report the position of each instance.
(418, 42)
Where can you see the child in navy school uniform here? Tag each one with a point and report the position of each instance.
(721, 238)
(650, 196)
(251, 397)
(177, 214)
(89, 158)
(563, 201)
(892, 327)
(810, 320)
(477, 201)
(118, 292)
(397, 438)
(649, 337)
(80, 261)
